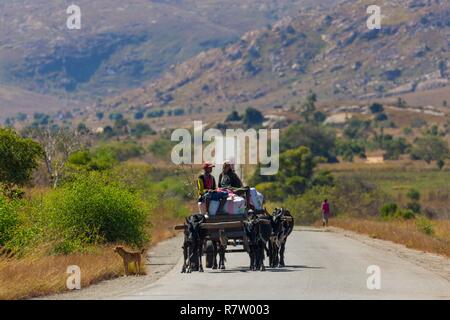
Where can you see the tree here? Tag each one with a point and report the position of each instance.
(139, 115)
(320, 140)
(19, 158)
(309, 107)
(376, 107)
(442, 65)
(59, 144)
(141, 129)
(348, 149)
(115, 116)
(429, 148)
(434, 130)
(253, 117)
(414, 197)
(319, 117)
(233, 117)
(441, 164)
(394, 147)
(400, 103)
(355, 129)
(296, 162)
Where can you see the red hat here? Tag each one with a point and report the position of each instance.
(207, 165)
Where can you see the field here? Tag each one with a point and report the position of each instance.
(428, 231)
(396, 178)
(410, 233)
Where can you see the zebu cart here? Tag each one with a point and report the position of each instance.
(232, 226)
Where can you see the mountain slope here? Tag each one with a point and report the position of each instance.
(330, 51)
(120, 44)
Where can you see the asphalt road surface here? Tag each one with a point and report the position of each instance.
(320, 265)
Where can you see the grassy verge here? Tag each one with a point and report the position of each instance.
(80, 222)
(421, 234)
(35, 276)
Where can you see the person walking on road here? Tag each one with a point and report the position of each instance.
(325, 212)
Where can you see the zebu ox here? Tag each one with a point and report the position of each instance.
(220, 247)
(194, 238)
(282, 225)
(257, 230)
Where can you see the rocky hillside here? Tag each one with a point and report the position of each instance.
(329, 51)
(121, 44)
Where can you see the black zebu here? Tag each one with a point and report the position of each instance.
(220, 247)
(258, 231)
(194, 238)
(282, 224)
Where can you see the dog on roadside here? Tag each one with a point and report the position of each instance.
(130, 257)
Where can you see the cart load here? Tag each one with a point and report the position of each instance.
(234, 204)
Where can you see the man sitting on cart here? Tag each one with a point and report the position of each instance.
(207, 188)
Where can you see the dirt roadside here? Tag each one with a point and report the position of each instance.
(158, 261)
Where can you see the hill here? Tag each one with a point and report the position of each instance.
(330, 51)
(120, 44)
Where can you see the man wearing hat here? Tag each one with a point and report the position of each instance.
(206, 181)
(207, 188)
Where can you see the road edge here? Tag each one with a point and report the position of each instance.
(438, 264)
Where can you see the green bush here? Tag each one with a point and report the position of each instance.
(162, 147)
(141, 129)
(89, 210)
(306, 209)
(413, 194)
(105, 156)
(405, 214)
(271, 191)
(388, 210)
(424, 225)
(414, 207)
(9, 220)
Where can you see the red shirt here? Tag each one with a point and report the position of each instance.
(209, 182)
(326, 207)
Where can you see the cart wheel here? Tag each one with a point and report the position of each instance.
(209, 254)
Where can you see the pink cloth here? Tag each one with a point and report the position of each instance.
(326, 208)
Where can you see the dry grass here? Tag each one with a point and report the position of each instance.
(38, 275)
(402, 231)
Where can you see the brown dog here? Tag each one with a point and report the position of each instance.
(129, 257)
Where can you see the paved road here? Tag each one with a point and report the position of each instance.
(320, 265)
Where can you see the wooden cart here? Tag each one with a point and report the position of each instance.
(231, 225)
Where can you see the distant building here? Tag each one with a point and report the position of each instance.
(374, 160)
(99, 130)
